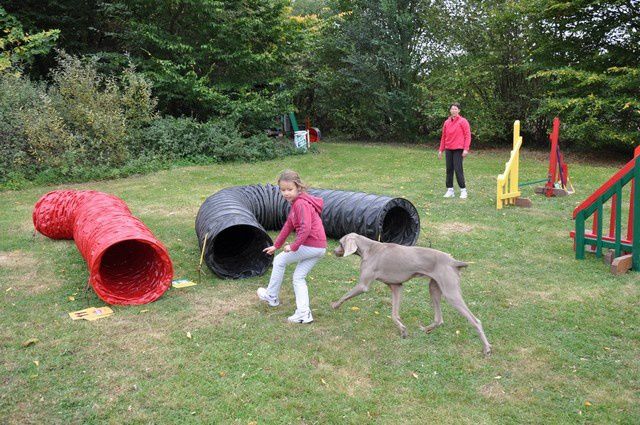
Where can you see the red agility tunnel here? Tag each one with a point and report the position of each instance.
(127, 264)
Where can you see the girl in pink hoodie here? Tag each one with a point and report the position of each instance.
(305, 217)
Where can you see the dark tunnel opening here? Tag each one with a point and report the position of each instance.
(236, 252)
(398, 226)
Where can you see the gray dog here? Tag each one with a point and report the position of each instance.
(395, 264)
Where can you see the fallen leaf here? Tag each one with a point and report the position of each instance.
(415, 375)
(37, 363)
(252, 423)
(457, 332)
(222, 374)
(586, 403)
(355, 308)
(324, 382)
(497, 377)
(607, 348)
(72, 298)
(8, 289)
(144, 311)
(30, 342)
(189, 335)
(376, 313)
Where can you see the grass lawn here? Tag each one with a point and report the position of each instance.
(565, 333)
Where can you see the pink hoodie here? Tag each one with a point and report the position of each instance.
(305, 219)
(456, 134)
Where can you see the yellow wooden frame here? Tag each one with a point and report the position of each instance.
(507, 182)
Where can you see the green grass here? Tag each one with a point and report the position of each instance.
(564, 332)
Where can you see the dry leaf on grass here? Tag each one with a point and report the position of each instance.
(31, 341)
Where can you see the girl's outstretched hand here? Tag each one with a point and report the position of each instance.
(270, 250)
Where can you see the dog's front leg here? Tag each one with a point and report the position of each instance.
(361, 287)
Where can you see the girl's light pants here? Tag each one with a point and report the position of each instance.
(306, 257)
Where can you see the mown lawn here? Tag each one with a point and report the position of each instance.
(565, 333)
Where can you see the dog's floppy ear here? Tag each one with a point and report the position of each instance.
(349, 244)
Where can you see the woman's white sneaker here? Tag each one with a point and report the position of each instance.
(299, 317)
(262, 294)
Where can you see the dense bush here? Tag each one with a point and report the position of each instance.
(185, 138)
(88, 125)
(82, 119)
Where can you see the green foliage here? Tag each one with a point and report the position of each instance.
(369, 65)
(17, 95)
(18, 48)
(82, 120)
(487, 47)
(308, 7)
(586, 58)
(599, 109)
(377, 70)
(86, 124)
(211, 59)
(218, 141)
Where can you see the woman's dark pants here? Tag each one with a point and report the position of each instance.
(454, 163)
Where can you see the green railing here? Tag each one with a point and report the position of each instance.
(593, 207)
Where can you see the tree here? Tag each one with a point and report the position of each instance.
(372, 55)
(18, 48)
(586, 58)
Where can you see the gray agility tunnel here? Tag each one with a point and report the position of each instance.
(235, 222)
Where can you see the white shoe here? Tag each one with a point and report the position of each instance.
(450, 193)
(463, 193)
(262, 294)
(298, 317)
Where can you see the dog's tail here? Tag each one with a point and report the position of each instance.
(460, 264)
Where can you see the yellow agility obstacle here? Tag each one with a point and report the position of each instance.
(508, 193)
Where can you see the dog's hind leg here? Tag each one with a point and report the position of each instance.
(450, 287)
(396, 296)
(436, 294)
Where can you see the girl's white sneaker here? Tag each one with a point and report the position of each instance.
(298, 317)
(262, 294)
(463, 193)
(450, 193)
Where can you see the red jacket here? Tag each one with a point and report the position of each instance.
(456, 134)
(305, 218)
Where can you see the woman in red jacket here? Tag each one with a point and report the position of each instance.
(305, 217)
(455, 142)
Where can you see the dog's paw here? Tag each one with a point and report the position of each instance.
(404, 334)
(428, 329)
(487, 351)
(335, 305)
